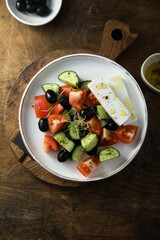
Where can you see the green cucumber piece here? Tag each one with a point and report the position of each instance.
(89, 141)
(65, 113)
(84, 85)
(64, 141)
(51, 86)
(77, 153)
(69, 77)
(102, 114)
(103, 122)
(73, 131)
(108, 153)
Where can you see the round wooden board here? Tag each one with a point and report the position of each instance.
(110, 48)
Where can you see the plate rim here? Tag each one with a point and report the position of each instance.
(112, 173)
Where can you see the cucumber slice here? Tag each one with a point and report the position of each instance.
(51, 86)
(66, 114)
(64, 141)
(69, 77)
(102, 114)
(108, 153)
(103, 122)
(74, 130)
(84, 85)
(77, 153)
(89, 141)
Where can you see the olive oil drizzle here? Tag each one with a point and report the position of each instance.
(152, 74)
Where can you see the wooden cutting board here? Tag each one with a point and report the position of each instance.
(117, 36)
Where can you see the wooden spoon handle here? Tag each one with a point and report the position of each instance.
(117, 36)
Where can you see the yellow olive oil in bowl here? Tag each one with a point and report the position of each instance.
(152, 74)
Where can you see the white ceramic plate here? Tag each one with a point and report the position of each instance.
(88, 67)
(33, 19)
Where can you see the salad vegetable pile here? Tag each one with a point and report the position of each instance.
(77, 123)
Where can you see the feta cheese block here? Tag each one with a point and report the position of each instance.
(118, 86)
(107, 98)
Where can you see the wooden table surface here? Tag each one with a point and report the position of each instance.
(125, 206)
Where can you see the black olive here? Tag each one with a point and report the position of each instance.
(111, 125)
(64, 101)
(86, 113)
(40, 1)
(42, 10)
(43, 124)
(21, 5)
(93, 151)
(63, 155)
(83, 133)
(51, 96)
(30, 1)
(31, 7)
(37, 2)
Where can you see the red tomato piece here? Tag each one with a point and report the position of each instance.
(65, 90)
(91, 100)
(107, 138)
(56, 122)
(127, 133)
(88, 165)
(43, 107)
(50, 144)
(94, 125)
(77, 98)
(57, 108)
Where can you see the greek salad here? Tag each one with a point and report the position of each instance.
(85, 117)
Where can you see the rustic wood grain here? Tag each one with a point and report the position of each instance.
(124, 207)
(109, 48)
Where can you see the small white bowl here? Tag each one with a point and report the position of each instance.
(33, 19)
(151, 59)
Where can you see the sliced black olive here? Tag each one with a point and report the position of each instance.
(83, 133)
(86, 113)
(31, 7)
(43, 124)
(21, 5)
(93, 151)
(111, 125)
(64, 101)
(51, 96)
(39, 1)
(63, 155)
(42, 10)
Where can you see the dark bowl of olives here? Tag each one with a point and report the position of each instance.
(34, 12)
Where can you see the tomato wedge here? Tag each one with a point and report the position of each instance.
(94, 125)
(107, 138)
(43, 107)
(65, 90)
(50, 144)
(56, 122)
(77, 98)
(91, 100)
(127, 133)
(88, 165)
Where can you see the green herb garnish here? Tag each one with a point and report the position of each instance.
(108, 133)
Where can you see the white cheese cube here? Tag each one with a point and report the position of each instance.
(107, 98)
(118, 86)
